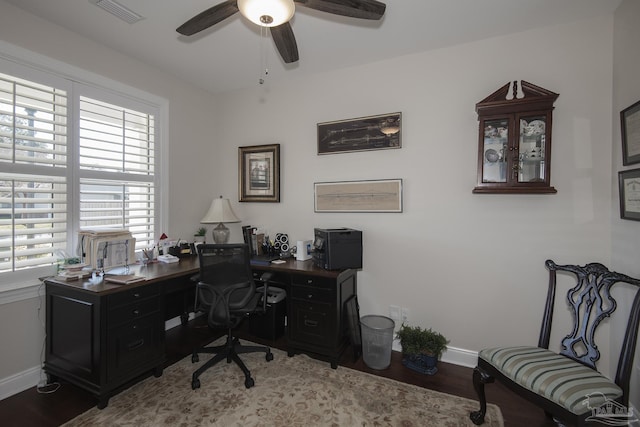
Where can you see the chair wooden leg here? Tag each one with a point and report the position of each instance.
(480, 378)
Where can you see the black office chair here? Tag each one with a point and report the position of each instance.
(227, 293)
(566, 385)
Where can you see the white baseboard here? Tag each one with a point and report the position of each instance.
(453, 355)
(19, 382)
(461, 357)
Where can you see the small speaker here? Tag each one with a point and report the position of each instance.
(281, 238)
(284, 247)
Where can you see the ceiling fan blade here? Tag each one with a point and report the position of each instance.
(208, 18)
(363, 9)
(285, 42)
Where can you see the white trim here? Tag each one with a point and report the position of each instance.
(21, 291)
(460, 357)
(45, 63)
(453, 355)
(19, 382)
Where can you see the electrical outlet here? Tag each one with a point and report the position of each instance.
(394, 313)
(404, 315)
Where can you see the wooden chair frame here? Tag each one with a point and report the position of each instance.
(590, 302)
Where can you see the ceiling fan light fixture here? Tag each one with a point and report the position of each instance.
(267, 13)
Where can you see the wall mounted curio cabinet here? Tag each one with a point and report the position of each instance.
(514, 149)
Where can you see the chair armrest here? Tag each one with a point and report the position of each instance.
(265, 278)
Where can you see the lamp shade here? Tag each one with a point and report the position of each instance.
(219, 211)
(267, 13)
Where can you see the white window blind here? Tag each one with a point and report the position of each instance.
(33, 204)
(33, 123)
(117, 164)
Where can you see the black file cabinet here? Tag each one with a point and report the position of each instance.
(317, 320)
(318, 316)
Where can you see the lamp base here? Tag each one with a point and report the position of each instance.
(221, 234)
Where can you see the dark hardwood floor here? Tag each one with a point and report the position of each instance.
(33, 409)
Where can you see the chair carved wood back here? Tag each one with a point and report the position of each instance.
(557, 382)
(590, 301)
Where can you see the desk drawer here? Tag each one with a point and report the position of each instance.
(312, 323)
(129, 312)
(316, 282)
(132, 295)
(310, 294)
(134, 347)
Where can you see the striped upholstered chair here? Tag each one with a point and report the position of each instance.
(566, 385)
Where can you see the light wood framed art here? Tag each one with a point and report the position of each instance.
(384, 195)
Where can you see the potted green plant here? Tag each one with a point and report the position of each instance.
(199, 237)
(421, 348)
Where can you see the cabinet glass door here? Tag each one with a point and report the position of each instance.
(496, 138)
(532, 148)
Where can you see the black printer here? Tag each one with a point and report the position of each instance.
(337, 248)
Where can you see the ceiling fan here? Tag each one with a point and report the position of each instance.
(276, 14)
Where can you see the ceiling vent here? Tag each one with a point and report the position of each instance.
(118, 10)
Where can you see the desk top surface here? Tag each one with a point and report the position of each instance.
(158, 271)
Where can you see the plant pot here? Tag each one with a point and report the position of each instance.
(421, 363)
(198, 238)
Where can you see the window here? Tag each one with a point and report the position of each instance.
(116, 169)
(72, 156)
(33, 150)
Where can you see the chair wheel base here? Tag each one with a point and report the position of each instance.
(195, 358)
(477, 417)
(248, 382)
(195, 384)
(269, 357)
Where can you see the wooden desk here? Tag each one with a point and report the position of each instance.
(101, 336)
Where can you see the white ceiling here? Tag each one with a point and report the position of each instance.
(227, 56)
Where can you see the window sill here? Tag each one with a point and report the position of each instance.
(23, 285)
(19, 291)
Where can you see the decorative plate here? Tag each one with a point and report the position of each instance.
(492, 155)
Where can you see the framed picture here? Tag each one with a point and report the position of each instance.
(630, 129)
(629, 186)
(365, 133)
(259, 173)
(383, 195)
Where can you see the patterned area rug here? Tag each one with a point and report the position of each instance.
(289, 391)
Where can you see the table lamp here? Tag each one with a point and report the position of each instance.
(220, 212)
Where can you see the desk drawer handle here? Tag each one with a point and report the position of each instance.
(136, 312)
(313, 323)
(135, 344)
(136, 295)
(310, 296)
(309, 281)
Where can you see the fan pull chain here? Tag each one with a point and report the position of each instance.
(264, 66)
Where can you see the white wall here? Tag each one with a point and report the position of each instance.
(626, 91)
(470, 266)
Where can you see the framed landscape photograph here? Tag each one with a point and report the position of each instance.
(383, 195)
(365, 133)
(629, 187)
(630, 130)
(259, 173)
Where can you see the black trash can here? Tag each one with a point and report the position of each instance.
(271, 324)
